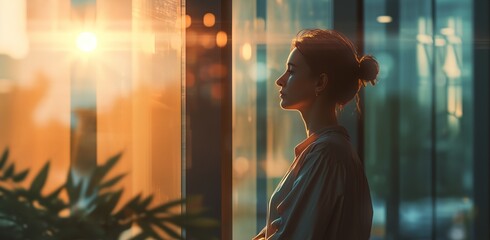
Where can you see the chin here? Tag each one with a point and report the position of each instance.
(282, 104)
(285, 105)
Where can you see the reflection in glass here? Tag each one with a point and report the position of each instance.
(264, 135)
(419, 119)
(98, 78)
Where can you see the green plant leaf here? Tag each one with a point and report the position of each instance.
(140, 236)
(129, 206)
(39, 181)
(93, 219)
(56, 192)
(100, 171)
(4, 158)
(52, 201)
(5, 190)
(20, 176)
(142, 206)
(134, 201)
(147, 229)
(69, 185)
(168, 230)
(9, 172)
(76, 194)
(73, 191)
(113, 200)
(112, 181)
(107, 203)
(166, 206)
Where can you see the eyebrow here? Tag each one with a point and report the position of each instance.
(292, 64)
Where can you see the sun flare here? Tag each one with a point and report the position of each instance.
(87, 41)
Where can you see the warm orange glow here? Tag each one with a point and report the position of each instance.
(451, 99)
(217, 70)
(175, 42)
(6, 85)
(191, 79)
(241, 165)
(207, 41)
(447, 31)
(246, 51)
(221, 39)
(188, 21)
(208, 20)
(216, 91)
(384, 19)
(451, 66)
(55, 78)
(86, 41)
(13, 38)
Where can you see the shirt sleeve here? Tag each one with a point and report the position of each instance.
(313, 208)
(261, 235)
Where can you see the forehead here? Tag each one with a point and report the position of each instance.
(296, 58)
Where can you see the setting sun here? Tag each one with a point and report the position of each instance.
(86, 41)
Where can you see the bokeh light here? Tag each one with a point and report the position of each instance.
(188, 21)
(207, 41)
(384, 19)
(246, 51)
(87, 41)
(221, 39)
(241, 165)
(208, 20)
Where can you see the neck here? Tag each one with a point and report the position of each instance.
(320, 115)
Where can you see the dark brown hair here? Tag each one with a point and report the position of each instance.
(330, 52)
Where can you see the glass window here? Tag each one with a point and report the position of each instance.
(264, 134)
(418, 119)
(83, 80)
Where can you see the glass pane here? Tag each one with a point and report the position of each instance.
(414, 118)
(264, 135)
(454, 119)
(83, 80)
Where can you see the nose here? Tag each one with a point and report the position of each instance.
(280, 81)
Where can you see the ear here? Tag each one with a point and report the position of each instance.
(321, 84)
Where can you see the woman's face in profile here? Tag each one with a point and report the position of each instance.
(297, 86)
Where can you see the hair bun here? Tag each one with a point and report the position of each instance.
(368, 69)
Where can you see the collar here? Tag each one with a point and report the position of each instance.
(313, 137)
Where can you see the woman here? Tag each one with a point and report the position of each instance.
(324, 194)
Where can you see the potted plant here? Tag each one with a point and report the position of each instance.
(26, 213)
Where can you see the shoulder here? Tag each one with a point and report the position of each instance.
(334, 146)
(328, 158)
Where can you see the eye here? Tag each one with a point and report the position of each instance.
(291, 72)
